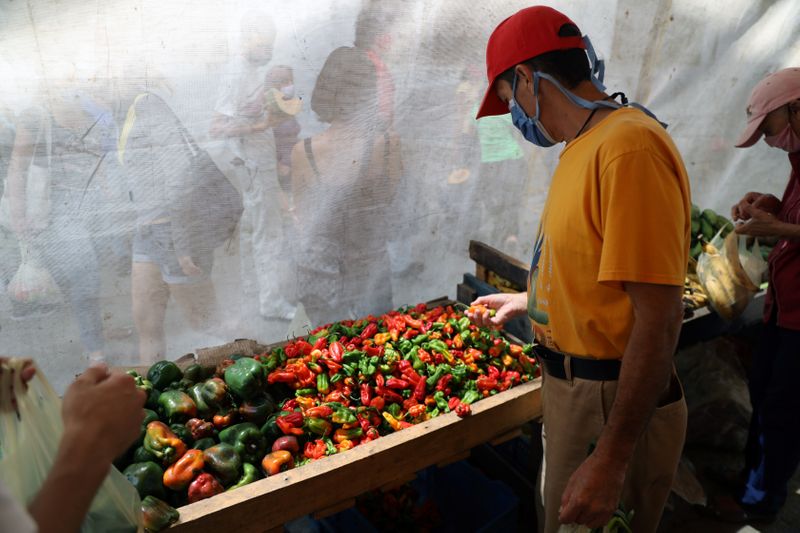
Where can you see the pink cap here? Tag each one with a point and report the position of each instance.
(772, 92)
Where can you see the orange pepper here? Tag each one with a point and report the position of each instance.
(382, 338)
(274, 462)
(179, 475)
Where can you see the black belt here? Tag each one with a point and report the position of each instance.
(591, 369)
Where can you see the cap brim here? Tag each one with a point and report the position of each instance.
(751, 134)
(491, 105)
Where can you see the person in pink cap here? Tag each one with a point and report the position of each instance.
(773, 447)
(606, 279)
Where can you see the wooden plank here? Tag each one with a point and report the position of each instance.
(481, 273)
(465, 294)
(284, 497)
(399, 482)
(501, 264)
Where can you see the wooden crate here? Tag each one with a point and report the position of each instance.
(331, 484)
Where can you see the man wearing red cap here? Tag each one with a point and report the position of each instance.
(606, 279)
(773, 446)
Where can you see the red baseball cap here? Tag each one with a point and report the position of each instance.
(528, 33)
(774, 91)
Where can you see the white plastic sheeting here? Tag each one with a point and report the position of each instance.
(403, 179)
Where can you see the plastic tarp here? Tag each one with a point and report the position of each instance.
(375, 210)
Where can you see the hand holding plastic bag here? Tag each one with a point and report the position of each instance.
(730, 274)
(30, 431)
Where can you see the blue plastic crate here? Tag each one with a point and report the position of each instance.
(466, 499)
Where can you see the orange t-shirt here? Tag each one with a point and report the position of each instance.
(618, 210)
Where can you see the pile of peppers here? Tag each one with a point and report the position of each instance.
(208, 430)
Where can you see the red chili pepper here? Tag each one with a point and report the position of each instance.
(321, 343)
(304, 347)
(438, 358)
(332, 365)
(412, 322)
(374, 351)
(377, 403)
(412, 377)
(366, 394)
(369, 331)
(416, 411)
(403, 365)
(397, 384)
(408, 403)
(444, 381)
(320, 411)
(290, 424)
(281, 376)
(493, 372)
(424, 356)
(291, 350)
(380, 380)
(335, 396)
(419, 390)
(315, 450)
(337, 351)
(410, 334)
(389, 396)
(420, 308)
(304, 374)
(363, 421)
(463, 410)
(453, 403)
(370, 434)
(486, 383)
(495, 351)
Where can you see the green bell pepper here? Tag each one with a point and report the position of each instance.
(195, 392)
(441, 401)
(157, 514)
(245, 378)
(471, 396)
(353, 356)
(149, 416)
(204, 443)
(318, 426)
(194, 373)
(463, 324)
(163, 373)
(323, 384)
(176, 406)
(270, 429)
(152, 399)
(308, 391)
(460, 372)
(257, 410)
(440, 371)
(247, 440)
(141, 455)
(224, 462)
(394, 409)
(214, 392)
(249, 474)
(341, 414)
(141, 382)
(147, 478)
(183, 433)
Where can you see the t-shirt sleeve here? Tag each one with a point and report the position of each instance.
(644, 220)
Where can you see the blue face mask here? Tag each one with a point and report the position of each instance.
(532, 128)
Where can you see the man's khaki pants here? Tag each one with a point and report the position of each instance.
(575, 411)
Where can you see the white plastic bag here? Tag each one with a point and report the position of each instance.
(721, 272)
(752, 261)
(30, 430)
(32, 283)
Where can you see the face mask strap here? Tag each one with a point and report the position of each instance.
(597, 66)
